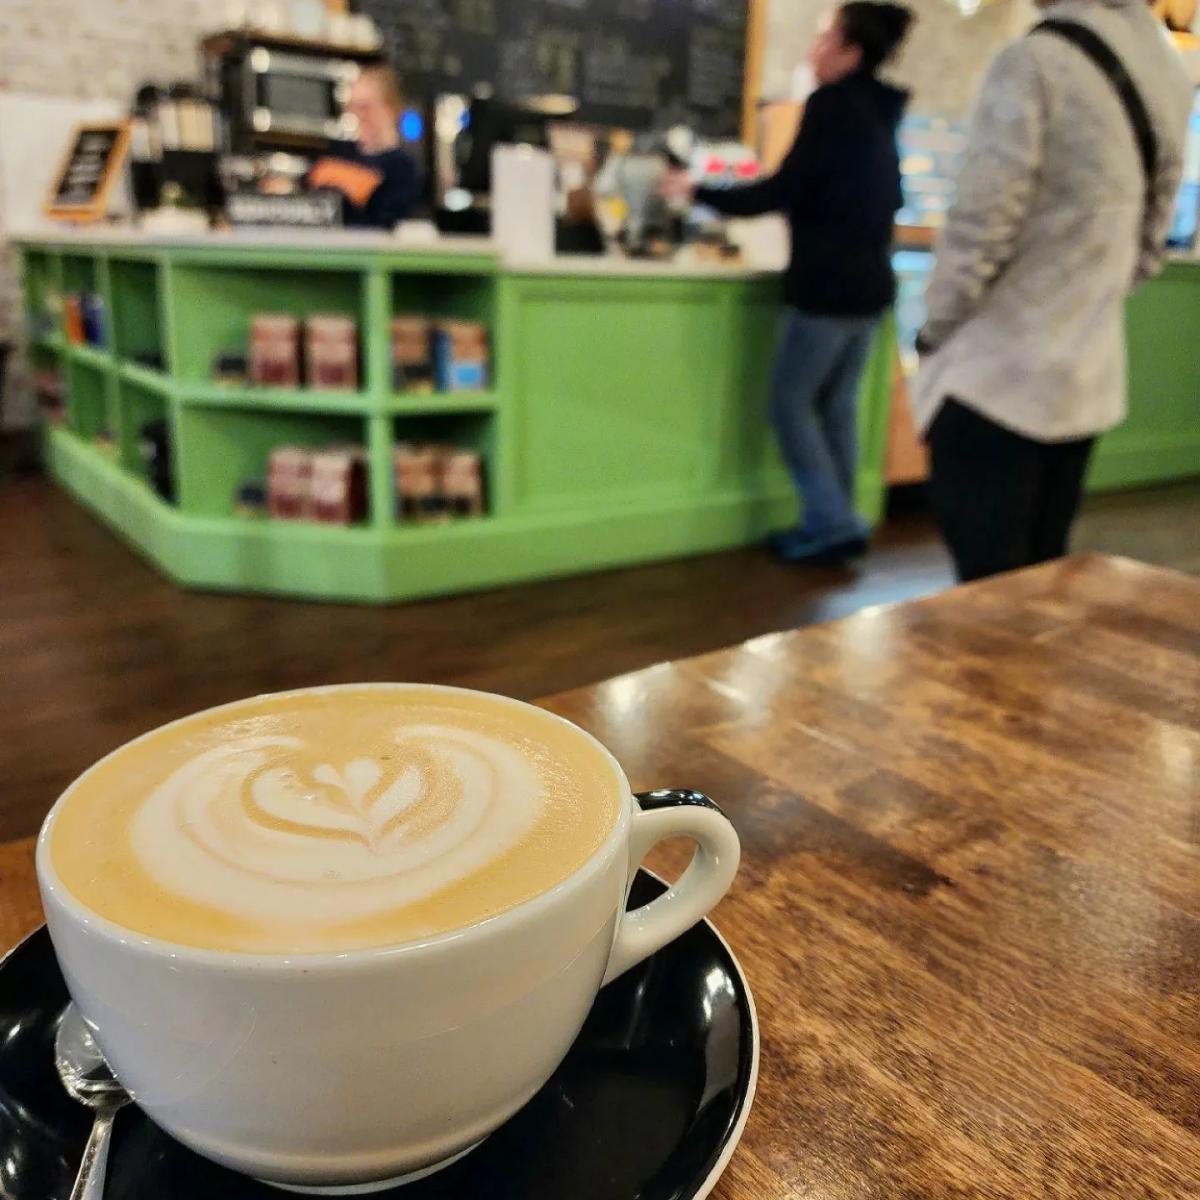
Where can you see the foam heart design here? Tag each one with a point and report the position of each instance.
(272, 828)
(357, 800)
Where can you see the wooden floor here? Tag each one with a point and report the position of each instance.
(96, 647)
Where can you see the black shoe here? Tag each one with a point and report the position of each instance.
(854, 548)
(838, 554)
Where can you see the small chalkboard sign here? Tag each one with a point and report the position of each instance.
(90, 169)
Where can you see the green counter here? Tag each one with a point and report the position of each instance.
(1160, 439)
(626, 421)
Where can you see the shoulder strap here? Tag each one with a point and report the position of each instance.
(1099, 51)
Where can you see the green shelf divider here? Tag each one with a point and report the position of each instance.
(146, 377)
(418, 404)
(298, 400)
(91, 356)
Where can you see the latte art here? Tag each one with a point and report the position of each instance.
(336, 818)
(263, 828)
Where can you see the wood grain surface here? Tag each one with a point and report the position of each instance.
(969, 905)
(96, 647)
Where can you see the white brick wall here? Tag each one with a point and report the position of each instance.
(99, 48)
(86, 49)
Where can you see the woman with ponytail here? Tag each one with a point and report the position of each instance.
(840, 188)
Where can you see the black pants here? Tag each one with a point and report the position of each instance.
(1003, 500)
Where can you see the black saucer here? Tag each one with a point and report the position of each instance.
(648, 1105)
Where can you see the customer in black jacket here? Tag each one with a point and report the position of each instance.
(840, 188)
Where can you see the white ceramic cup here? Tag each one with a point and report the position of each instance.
(344, 1072)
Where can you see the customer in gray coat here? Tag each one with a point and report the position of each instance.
(1055, 222)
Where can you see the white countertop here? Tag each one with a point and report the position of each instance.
(254, 239)
(374, 241)
(636, 268)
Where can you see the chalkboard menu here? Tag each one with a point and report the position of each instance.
(93, 162)
(641, 64)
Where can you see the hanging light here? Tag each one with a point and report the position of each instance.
(968, 8)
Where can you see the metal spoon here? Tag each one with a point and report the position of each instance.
(87, 1078)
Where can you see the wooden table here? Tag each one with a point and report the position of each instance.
(969, 905)
(970, 900)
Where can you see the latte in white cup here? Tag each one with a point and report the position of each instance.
(337, 820)
(333, 938)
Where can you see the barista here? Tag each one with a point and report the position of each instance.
(378, 180)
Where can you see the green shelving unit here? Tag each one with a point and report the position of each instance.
(1160, 438)
(626, 418)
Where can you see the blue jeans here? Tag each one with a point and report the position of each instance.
(814, 402)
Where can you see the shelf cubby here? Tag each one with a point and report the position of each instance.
(40, 272)
(138, 406)
(80, 273)
(136, 316)
(215, 306)
(44, 356)
(467, 297)
(47, 372)
(222, 448)
(470, 430)
(446, 297)
(89, 401)
(467, 431)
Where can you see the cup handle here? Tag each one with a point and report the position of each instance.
(663, 815)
